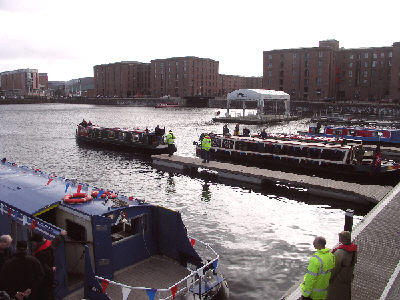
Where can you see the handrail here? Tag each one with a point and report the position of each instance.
(199, 272)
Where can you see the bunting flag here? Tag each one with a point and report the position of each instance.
(33, 224)
(101, 192)
(104, 285)
(215, 264)
(192, 242)
(9, 212)
(24, 220)
(67, 186)
(150, 293)
(50, 180)
(1, 208)
(174, 289)
(131, 198)
(16, 216)
(78, 190)
(125, 292)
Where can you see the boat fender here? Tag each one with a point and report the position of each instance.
(77, 198)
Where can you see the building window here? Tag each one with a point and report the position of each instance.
(280, 81)
(281, 74)
(366, 55)
(75, 231)
(270, 73)
(293, 72)
(350, 65)
(390, 63)
(365, 73)
(374, 63)
(294, 64)
(307, 55)
(269, 56)
(319, 81)
(351, 56)
(320, 63)
(127, 228)
(374, 55)
(305, 82)
(365, 81)
(294, 55)
(390, 54)
(366, 64)
(350, 73)
(320, 54)
(306, 73)
(319, 72)
(382, 54)
(270, 64)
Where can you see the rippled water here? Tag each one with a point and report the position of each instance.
(264, 237)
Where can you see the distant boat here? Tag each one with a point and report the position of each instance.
(165, 105)
(132, 140)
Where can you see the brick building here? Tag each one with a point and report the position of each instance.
(328, 71)
(229, 83)
(122, 79)
(184, 76)
(23, 82)
(43, 81)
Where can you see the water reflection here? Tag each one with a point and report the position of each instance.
(206, 193)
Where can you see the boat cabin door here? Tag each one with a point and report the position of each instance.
(102, 246)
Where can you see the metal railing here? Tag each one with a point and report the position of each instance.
(192, 279)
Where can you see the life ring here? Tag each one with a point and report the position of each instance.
(105, 194)
(77, 198)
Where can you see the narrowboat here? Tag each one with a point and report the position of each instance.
(369, 135)
(117, 247)
(285, 153)
(131, 140)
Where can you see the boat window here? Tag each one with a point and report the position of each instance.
(75, 231)
(228, 144)
(352, 132)
(111, 134)
(104, 134)
(126, 228)
(337, 131)
(215, 142)
(334, 155)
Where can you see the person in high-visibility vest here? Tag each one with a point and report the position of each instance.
(316, 280)
(170, 139)
(205, 148)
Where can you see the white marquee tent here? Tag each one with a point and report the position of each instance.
(260, 96)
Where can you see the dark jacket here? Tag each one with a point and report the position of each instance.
(20, 273)
(5, 255)
(46, 258)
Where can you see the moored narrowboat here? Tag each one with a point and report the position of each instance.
(294, 153)
(117, 247)
(131, 140)
(369, 135)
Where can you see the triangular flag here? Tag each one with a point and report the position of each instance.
(66, 186)
(16, 216)
(125, 292)
(79, 188)
(9, 212)
(215, 264)
(131, 198)
(101, 192)
(104, 285)
(192, 242)
(50, 180)
(174, 289)
(33, 224)
(24, 220)
(151, 293)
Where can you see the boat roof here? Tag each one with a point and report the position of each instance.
(298, 143)
(137, 130)
(33, 192)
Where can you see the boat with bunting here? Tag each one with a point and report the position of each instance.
(132, 140)
(116, 247)
(368, 135)
(291, 152)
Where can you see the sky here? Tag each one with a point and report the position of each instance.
(67, 38)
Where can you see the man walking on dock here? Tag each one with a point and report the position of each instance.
(170, 138)
(316, 280)
(205, 148)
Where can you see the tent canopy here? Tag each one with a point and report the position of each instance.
(257, 94)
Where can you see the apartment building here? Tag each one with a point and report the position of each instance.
(330, 72)
(22, 82)
(184, 77)
(122, 79)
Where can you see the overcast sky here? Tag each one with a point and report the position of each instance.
(67, 38)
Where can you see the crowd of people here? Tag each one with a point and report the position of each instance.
(24, 275)
(330, 273)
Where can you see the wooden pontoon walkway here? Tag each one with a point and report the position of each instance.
(376, 275)
(155, 272)
(314, 185)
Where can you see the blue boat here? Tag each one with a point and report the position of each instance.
(117, 247)
(369, 135)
